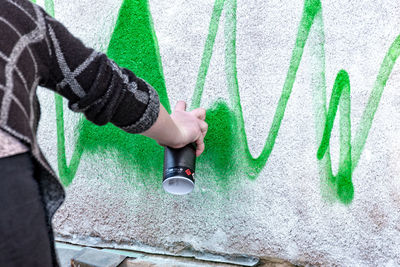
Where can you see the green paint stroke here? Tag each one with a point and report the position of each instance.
(134, 45)
(49, 6)
(340, 96)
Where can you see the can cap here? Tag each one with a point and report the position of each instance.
(178, 185)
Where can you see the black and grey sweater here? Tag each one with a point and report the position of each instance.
(36, 50)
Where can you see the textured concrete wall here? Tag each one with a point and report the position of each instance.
(302, 154)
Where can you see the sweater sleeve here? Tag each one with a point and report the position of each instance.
(95, 85)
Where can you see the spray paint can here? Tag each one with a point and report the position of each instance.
(179, 167)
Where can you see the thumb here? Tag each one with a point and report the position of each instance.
(180, 106)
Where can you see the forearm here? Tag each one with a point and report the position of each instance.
(164, 130)
(105, 92)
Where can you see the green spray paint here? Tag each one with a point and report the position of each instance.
(49, 6)
(227, 150)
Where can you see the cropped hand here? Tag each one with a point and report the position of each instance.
(191, 125)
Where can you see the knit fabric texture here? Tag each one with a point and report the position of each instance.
(37, 50)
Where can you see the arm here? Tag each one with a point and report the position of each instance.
(104, 92)
(95, 85)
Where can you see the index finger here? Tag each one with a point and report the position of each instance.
(200, 113)
(199, 146)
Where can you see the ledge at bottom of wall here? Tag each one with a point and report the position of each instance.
(84, 256)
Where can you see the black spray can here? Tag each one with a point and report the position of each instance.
(179, 167)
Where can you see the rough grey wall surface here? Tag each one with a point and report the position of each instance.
(284, 212)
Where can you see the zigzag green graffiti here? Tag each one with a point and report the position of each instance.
(134, 45)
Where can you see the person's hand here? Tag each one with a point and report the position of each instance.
(191, 126)
(180, 128)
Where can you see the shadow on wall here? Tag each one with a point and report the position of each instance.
(134, 45)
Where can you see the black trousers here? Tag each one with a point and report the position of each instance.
(24, 240)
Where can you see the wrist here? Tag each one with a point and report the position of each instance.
(165, 130)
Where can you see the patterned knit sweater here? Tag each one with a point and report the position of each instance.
(35, 49)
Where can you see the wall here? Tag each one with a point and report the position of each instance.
(301, 158)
